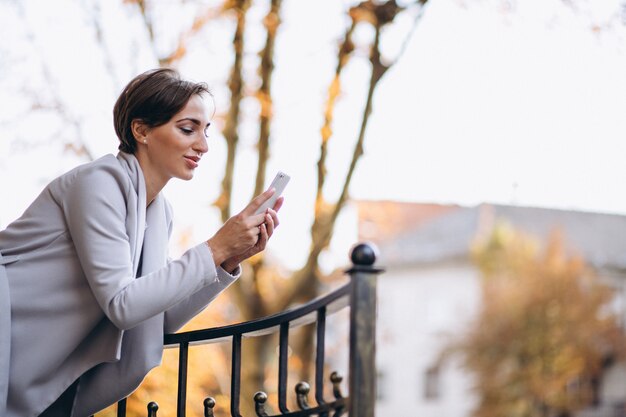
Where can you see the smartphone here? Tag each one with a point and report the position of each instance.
(278, 183)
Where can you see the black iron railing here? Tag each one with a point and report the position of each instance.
(359, 294)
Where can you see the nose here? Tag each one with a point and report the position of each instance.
(201, 145)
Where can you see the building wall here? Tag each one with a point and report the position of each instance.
(420, 311)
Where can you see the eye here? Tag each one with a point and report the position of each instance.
(186, 130)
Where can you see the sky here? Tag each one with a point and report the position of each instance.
(520, 108)
(519, 104)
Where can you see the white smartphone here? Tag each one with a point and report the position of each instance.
(278, 183)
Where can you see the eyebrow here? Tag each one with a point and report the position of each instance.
(194, 121)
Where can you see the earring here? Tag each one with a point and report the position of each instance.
(145, 141)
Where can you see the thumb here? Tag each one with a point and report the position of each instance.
(258, 201)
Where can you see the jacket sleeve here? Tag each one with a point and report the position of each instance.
(181, 313)
(95, 210)
(177, 316)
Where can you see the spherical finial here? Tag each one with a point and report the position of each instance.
(335, 377)
(364, 254)
(209, 402)
(336, 380)
(260, 397)
(302, 388)
(152, 409)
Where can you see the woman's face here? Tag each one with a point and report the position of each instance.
(173, 150)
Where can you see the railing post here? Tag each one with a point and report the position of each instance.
(362, 382)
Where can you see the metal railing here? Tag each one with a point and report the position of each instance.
(359, 294)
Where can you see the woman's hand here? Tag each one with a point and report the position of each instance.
(245, 234)
(266, 231)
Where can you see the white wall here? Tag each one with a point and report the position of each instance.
(420, 310)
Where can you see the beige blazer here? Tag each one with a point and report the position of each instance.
(74, 300)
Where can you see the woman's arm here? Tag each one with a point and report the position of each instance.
(177, 316)
(229, 271)
(96, 214)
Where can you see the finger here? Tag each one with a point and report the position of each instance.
(269, 224)
(258, 201)
(274, 218)
(263, 238)
(256, 220)
(253, 236)
(279, 203)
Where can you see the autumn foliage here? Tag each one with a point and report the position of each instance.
(538, 345)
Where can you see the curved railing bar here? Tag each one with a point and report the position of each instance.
(305, 314)
(333, 406)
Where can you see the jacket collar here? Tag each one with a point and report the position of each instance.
(131, 165)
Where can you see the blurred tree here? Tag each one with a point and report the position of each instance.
(545, 329)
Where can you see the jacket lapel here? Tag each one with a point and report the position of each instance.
(136, 207)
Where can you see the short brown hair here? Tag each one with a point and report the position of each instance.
(153, 97)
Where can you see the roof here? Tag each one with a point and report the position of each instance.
(436, 233)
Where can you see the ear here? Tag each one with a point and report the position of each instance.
(140, 130)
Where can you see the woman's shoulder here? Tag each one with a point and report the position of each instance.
(94, 184)
(103, 175)
(107, 165)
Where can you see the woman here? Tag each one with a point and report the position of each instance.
(86, 289)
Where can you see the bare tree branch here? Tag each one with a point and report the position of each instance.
(304, 281)
(264, 95)
(198, 24)
(333, 93)
(147, 20)
(235, 85)
(405, 43)
(79, 146)
(96, 20)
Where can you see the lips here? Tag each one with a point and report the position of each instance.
(192, 161)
